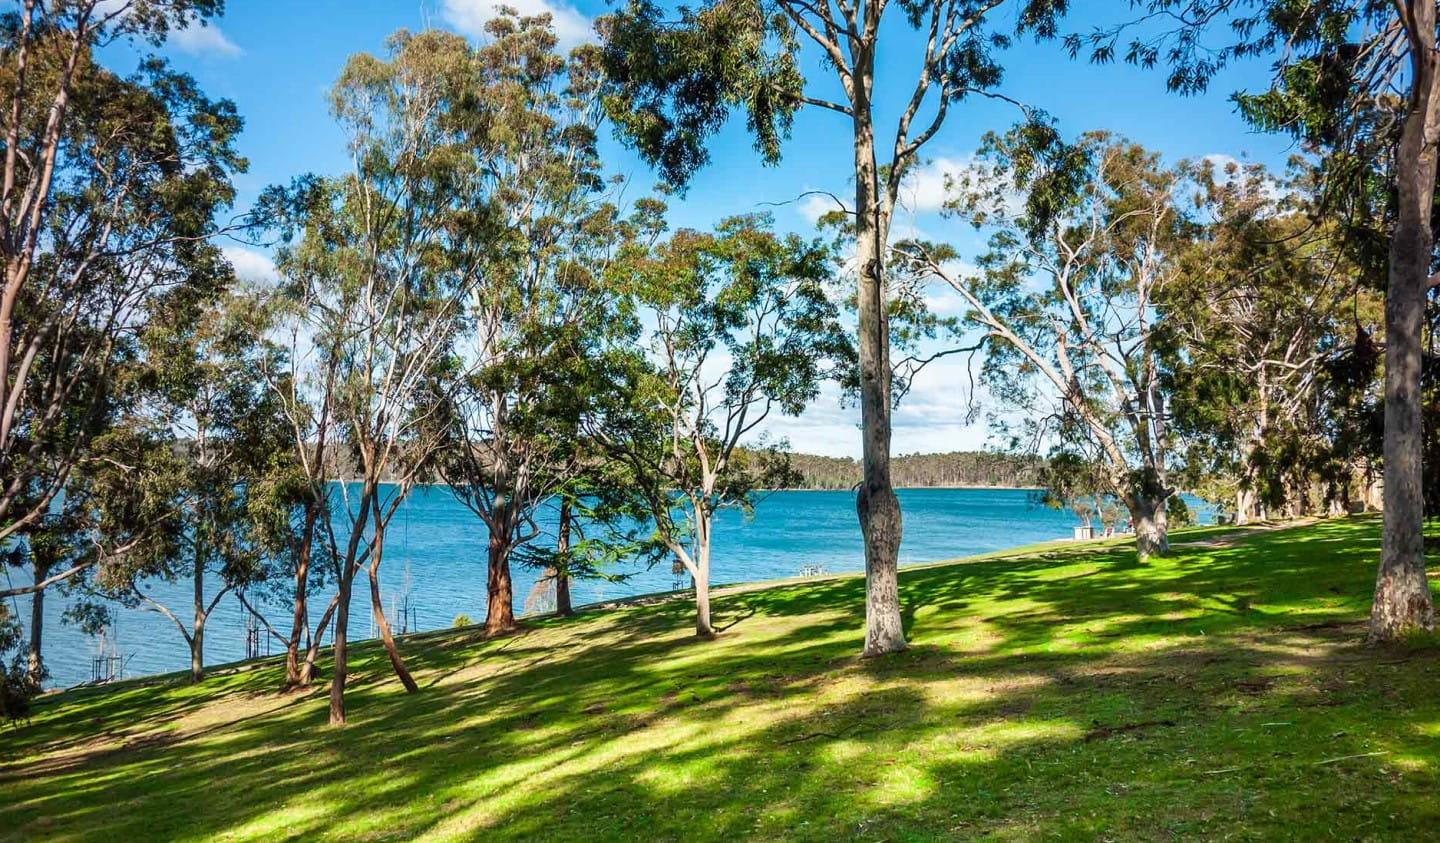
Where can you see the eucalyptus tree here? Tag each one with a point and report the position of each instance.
(374, 282)
(742, 327)
(106, 182)
(540, 311)
(602, 529)
(301, 382)
(225, 476)
(1267, 305)
(1357, 81)
(675, 75)
(1065, 298)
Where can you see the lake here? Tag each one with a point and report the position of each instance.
(435, 552)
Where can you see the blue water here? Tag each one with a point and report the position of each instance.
(435, 550)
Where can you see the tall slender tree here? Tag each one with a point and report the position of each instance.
(674, 76)
(103, 182)
(374, 281)
(540, 310)
(742, 327)
(1066, 299)
(226, 447)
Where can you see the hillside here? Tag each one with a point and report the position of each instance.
(954, 468)
(1063, 692)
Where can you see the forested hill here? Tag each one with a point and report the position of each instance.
(956, 468)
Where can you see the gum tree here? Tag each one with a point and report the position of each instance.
(224, 449)
(103, 181)
(542, 232)
(1065, 298)
(1358, 82)
(742, 327)
(676, 74)
(373, 281)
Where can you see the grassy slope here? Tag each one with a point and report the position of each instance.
(1068, 693)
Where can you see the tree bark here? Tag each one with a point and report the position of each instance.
(876, 504)
(342, 628)
(377, 555)
(1402, 596)
(562, 576)
(35, 662)
(1152, 533)
(312, 651)
(1244, 506)
(704, 628)
(396, 661)
(197, 635)
(499, 587)
(301, 616)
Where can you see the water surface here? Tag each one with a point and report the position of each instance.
(435, 554)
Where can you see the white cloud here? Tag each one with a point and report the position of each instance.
(205, 40)
(934, 417)
(470, 16)
(199, 38)
(924, 189)
(1226, 166)
(251, 265)
(927, 187)
(816, 205)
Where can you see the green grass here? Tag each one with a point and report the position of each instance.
(1067, 693)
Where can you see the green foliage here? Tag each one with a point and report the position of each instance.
(742, 328)
(213, 496)
(671, 84)
(1070, 481)
(955, 468)
(1064, 297)
(462, 620)
(142, 169)
(1177, 512)
(1274, 372)
(674, 76)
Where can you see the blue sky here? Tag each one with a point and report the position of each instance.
(276, 59)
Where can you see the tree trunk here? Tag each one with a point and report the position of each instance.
(35, 661)
(562, 576)
(1152, 534)
(1402, 595)
(396, 661)
(499, 588)
(1244, 505)
(703, 625)
(197, 636)
(300, 619)
(197, 652)
(342, 628)
(312, 651)
(377, 555)
(876, 504)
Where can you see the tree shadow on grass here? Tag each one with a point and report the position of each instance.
(1034, 702)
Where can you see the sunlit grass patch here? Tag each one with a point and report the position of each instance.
(1059, 693)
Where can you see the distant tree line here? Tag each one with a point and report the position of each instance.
(951, 469)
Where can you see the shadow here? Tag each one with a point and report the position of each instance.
(1219, 692)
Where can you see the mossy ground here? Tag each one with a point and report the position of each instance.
(1221, 693)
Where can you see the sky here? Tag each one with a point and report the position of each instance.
(276, 59)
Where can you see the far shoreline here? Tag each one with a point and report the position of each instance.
(975, 487)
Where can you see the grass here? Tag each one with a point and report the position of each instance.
(1065, 693)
